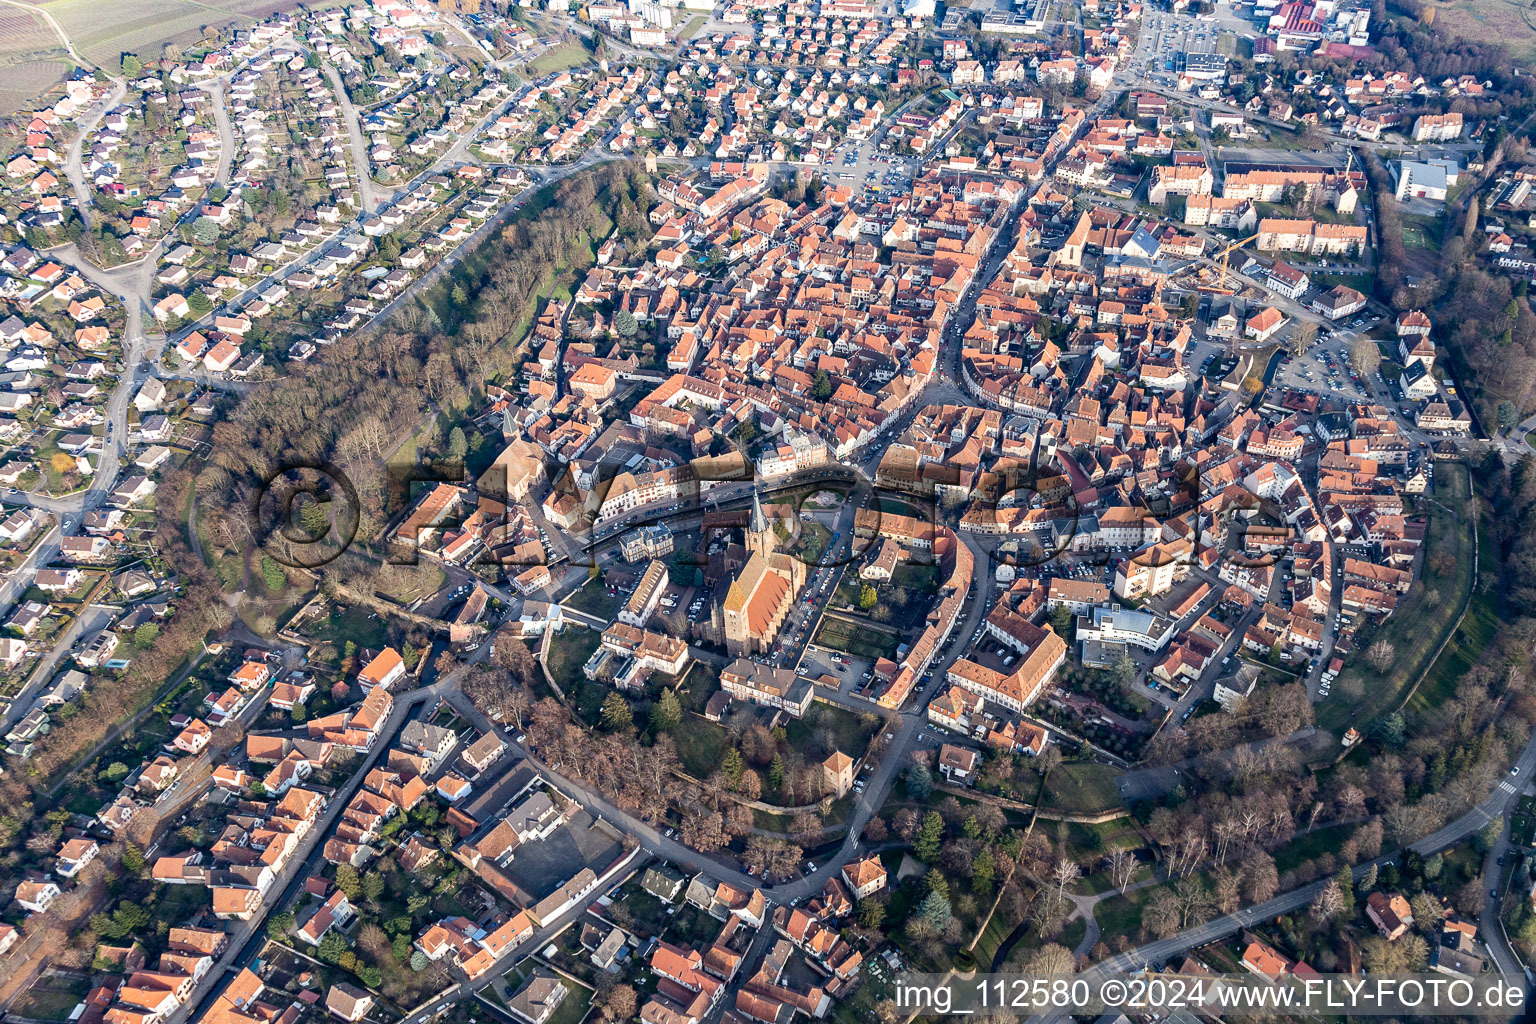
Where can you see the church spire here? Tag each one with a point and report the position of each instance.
(759, 523)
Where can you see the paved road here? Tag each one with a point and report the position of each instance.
(1496, 807)
(89, 620)
(215, 90)
(360, 158)
(73, 154)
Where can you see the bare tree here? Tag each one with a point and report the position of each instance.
(1381, 654)
(1364, 356)
(1329, 902)
(1122, 866)
(1065, 874)
(1051, 958)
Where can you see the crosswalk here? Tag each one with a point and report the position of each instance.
(1507, 786)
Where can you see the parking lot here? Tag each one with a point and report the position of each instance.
(861, 165)
(1324, 369)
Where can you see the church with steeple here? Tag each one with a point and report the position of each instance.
(762, 595)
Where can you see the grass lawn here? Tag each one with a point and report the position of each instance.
(1121, 915)
(1422, 232)
(827, 725)
(1088, 845)
(52, 997)
(700, 682)
(692, 28)
(1071, 934)
(998, 929)
(860, 639)
(355, 623)
(594, 599)
(1311, 846)
(1465, 648)
(1083, 786)
(561, 58)
(567, 653)
(700, 745)
(1420, 623)
(1361, 283)
(917, 577)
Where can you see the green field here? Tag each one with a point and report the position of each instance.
(1422, 232)
(700, 746)
(1422, 621)
(1121, 915)
(860, 639)
(561, 58)
(1465, 648)
(567, 653)
(1312, 845)
(1509, 23)
(826, 726)
(1082, 787)
(143, 27)
(594, 599)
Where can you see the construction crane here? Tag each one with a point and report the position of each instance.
(1226, 254)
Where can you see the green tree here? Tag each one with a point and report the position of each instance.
(935, 910)
(821, 386)
(919, 781)
(458, 444)
(314, 519)
(617, 716)
(732, 767)
(1489, 834)
(776, 771)
(626, 324)
(145, 635)
(1433, 865)
(332, 946)
(868, 597)
(205, 230)
(347, 881)
(297, 714)
(132, 66)
(130, 918)
(370, 976)
(983, 871)
(373, 886)
(272, 574)
(1508, 414)
(667, 713)
(871, 914)
(1346, 882)
(312, 60)
(133, 859)
(280, 925)
(930, 837)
